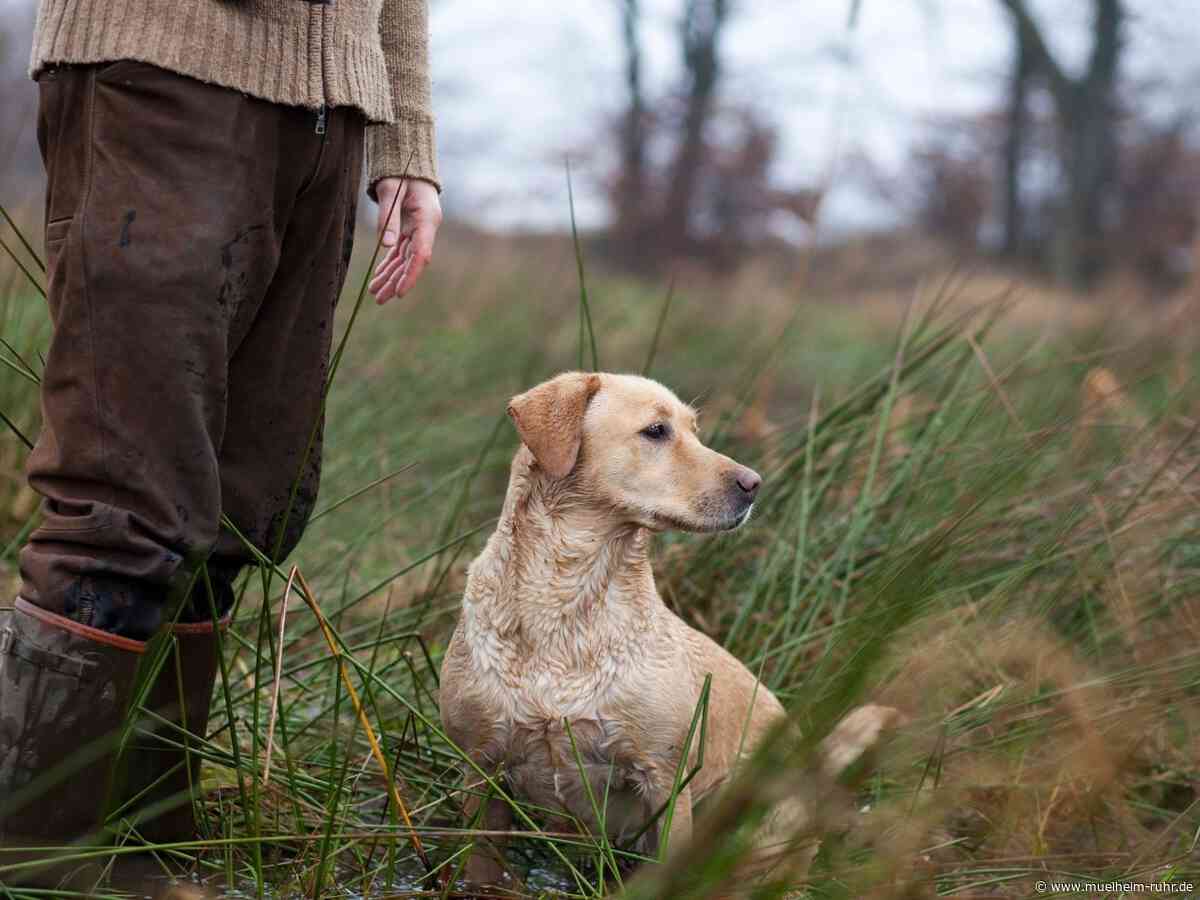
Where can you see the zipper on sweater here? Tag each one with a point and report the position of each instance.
(317, 8)
(322, 113)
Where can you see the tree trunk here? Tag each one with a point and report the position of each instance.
(631, 186)
(1014, 146)
(1086, 109)
(701, 31)
(1073, 230)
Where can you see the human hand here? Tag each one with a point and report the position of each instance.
(408, 234)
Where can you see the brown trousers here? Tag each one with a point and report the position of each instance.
(197, 242)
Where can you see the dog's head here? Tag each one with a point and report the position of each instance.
(629, 447)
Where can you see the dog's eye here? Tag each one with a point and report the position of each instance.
(656, 432)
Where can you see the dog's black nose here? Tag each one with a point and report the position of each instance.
(747, 480)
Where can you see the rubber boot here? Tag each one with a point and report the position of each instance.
(65, 690)
(163, 761)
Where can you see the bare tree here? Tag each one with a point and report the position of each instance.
(711, 196)
(630, 202)
(1015, 140)
(700, 33)
(1086, 111)
(953, 175)
(1159, 186)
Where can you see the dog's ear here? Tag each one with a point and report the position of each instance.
(549, 419)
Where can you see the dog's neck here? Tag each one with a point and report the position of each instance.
(554, 565)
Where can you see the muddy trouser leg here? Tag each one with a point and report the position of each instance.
(172, 207)
(269, 460)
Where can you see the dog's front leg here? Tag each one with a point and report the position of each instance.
(486, 864)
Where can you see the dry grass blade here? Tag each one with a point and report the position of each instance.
(21, 237)
(23, 268)
(1009, 409)
(287, 595)
(377, 752)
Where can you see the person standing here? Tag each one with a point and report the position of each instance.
(204, 162)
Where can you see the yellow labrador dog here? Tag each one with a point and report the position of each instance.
(561, 621)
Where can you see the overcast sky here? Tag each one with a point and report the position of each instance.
(519, 85)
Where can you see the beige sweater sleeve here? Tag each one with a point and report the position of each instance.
(406, 147)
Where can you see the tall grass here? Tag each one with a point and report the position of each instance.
(988, 525)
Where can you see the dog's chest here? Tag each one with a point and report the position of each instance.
(569, 703)
(540, 686)
(565, 738)
(577, 764)
(556, 664)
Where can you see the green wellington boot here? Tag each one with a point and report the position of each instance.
(65, 690)
(163, 760)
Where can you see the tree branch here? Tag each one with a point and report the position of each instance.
(1106, 49)
(1061, 85)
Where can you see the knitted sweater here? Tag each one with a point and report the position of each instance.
(371, 54)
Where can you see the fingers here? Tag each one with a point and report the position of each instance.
(420, 252)
(404, 263)
(389, 272)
